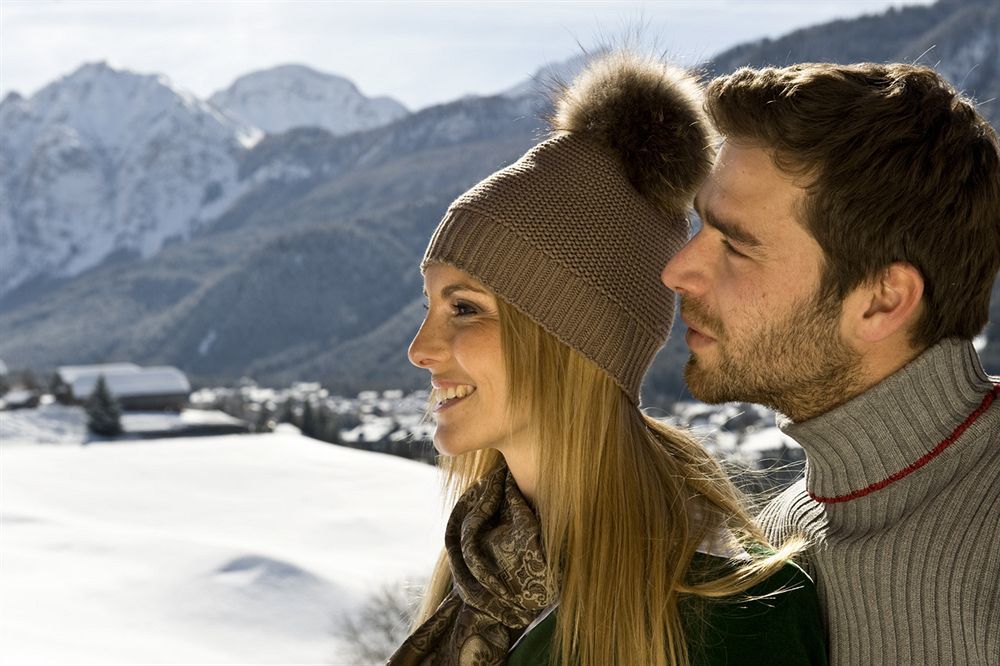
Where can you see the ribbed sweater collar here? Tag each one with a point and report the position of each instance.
(890, 426)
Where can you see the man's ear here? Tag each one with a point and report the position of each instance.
(886, 305)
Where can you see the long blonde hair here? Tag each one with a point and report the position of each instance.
(624, 501)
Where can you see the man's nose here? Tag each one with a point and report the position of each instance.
(682, 273)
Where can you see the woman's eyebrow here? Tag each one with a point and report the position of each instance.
(460, 286)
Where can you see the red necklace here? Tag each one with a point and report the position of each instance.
(926, 458)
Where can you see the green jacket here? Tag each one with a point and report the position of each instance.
(784, 629)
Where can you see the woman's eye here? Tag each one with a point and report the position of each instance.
(464, 309)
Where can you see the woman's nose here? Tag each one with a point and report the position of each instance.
(427, 348)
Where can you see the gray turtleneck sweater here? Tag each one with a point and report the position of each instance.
(909, 573)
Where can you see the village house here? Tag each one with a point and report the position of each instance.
(158, 388)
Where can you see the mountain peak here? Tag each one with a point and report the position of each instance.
(292, 95)
(295, 70)
(97, 66)
(117, 161)
(103, 70)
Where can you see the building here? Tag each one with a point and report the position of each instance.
(19, 399)
(136, 388)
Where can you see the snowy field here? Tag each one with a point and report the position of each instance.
(238, 549)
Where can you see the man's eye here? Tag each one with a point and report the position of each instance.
(730, 249)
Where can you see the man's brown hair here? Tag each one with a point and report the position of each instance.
(899, 167)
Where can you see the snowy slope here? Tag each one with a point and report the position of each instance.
(103, 161)
(288, 96)
(229, 550)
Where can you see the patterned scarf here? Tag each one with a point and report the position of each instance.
(499, 582)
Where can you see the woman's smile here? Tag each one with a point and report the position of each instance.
(447, 397)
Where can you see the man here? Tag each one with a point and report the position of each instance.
(850, 241)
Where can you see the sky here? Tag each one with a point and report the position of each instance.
(421, 53)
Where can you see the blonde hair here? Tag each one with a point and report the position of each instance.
(624, 501)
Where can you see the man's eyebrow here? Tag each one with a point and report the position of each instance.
(729, 229)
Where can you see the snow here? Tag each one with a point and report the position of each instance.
(49, 424)
(372, 430)
(280, 170)
(53, 423)
(243, 549)
(766, 440)
(16, 397)
(160, 422)
(206, 343)
(104, 160)
(70, 373)
(278, 99)
(124, 381)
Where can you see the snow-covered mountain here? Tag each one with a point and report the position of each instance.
(958, 38)
(308, 269)
(105, 161)
(278, 99)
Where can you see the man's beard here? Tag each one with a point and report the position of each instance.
(798, 366)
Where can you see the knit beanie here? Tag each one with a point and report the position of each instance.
(576, 232)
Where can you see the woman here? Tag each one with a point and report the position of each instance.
(585, 532)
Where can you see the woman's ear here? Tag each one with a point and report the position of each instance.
(886, 306)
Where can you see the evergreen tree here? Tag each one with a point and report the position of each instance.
(103, 411)
(348, 421)
(287, 413)
(308, 420)
(331, 428)
(320, 421)
(263, 422)
(29, 381)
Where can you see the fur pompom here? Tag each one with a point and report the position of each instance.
(650, 114)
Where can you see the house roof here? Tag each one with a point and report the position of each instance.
(126, 380)
(69, 373)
